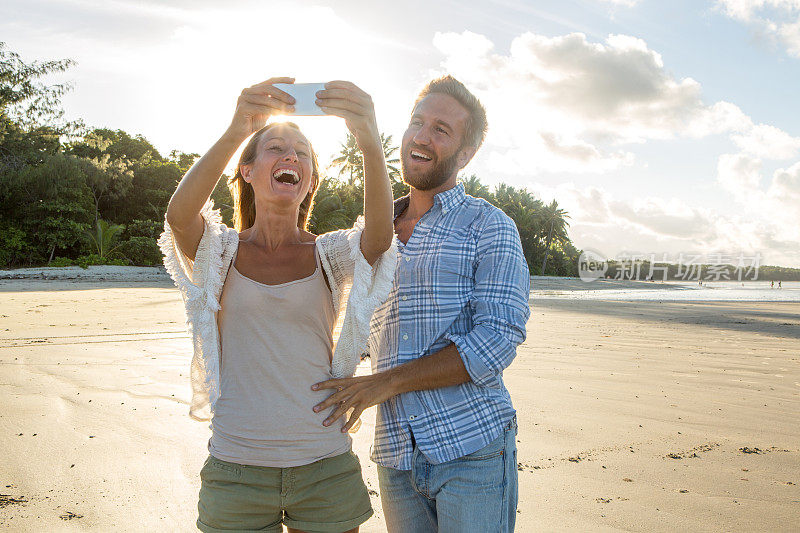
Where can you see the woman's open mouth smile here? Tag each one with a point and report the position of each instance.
(286, 176)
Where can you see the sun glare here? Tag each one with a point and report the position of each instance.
(224, 59)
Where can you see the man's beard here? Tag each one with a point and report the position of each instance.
(435, 177)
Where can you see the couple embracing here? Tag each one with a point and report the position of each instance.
(434, 286)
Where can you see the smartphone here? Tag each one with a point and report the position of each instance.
(306, 95)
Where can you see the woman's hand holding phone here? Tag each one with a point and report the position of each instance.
(257, 103)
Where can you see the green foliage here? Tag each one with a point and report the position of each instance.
(25, 102)
(108, 180)
(183, 160)
(50, 204)
(20, 147)
(104, 236)
(556, 223)
(117, 144)
(337, 205)
(334, 206)
(144, 228)
(474, 187)
(776, 273)
(139, 246)
(151, 187)
(13, 243)
(30, 111)
(61, 262)
(399, 188)
(222, 200)
(140, 251)
(726, 271)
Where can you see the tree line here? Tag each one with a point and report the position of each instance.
(78, 195)
(698, 271)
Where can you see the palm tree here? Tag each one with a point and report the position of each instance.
(474, 187)
(388, 151)
(525, 210)
(351, 161)
(105, 236)
(556, 219)
(328, 213)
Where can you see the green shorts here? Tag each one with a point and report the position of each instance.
(327, 495)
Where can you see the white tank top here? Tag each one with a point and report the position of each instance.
(276, 342)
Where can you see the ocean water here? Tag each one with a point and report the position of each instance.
(671, 291)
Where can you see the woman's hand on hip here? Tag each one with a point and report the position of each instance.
(256, 104)
(344, 99)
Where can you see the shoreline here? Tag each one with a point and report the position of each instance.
(542, 287)
(91, 273)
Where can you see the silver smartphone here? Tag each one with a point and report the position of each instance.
(305, 95)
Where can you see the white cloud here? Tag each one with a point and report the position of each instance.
(721, 117)
(739, 174)
(786, 184)
(747, 10)
(666, 218)
(657, 218)
(565, 104)
(624, 3)
(670, 226)
(776, 209)
(790, 35)
(783, 201)
(778, 19)
(547, 153)
(588, 205)
(620, 86)
(767, 141)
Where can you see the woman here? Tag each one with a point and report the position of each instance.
(262, 301)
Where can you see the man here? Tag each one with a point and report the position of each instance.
(445, 429)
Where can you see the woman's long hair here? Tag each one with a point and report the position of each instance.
(244, 199)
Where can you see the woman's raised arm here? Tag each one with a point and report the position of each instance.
(253, 108)
(346, 100)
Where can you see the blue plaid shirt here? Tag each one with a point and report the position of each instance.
(462, 279)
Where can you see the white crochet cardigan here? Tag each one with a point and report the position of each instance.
(356, 290)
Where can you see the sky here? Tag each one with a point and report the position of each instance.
(660, 127)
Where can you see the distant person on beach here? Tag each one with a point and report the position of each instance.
(445, 428)
(779, 284)
(262, 300)
(772, 284)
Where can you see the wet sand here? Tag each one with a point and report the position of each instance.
(634, 416)
(637, 416)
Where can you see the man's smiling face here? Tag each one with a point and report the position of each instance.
(432, 151)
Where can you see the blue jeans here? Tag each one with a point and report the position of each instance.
(477, 492)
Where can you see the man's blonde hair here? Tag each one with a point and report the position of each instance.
(477, 125)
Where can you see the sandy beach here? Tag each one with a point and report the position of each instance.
(660, 414)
